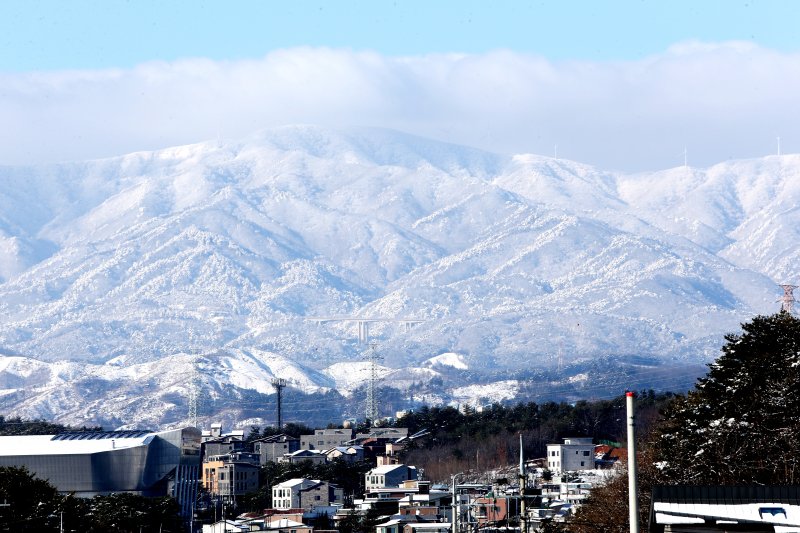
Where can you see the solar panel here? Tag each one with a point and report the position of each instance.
(97, 435)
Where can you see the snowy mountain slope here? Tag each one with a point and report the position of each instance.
(512, 262)
(121, 392)
(746, 211)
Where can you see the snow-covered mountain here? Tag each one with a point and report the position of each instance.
(121, 277)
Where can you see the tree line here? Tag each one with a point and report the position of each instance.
(33, 504)
(475, 441)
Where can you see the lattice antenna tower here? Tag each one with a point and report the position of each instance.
(787, 300)
(371, 410)
(279, 384)
(194, 391)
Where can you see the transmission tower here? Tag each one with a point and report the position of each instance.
(371, 407)
(279, 384)
(787, 300)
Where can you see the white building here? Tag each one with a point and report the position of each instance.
(574, 454)
(389, 476)
(302, 493)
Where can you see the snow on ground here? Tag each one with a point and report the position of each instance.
(351, 375)
(448, 359)
(478, 395)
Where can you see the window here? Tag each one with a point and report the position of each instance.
(586, 454)
(582, 463)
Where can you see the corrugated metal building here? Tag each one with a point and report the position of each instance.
(104, 462)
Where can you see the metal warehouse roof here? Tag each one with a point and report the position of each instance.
(72, 443)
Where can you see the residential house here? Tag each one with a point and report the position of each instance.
(275, 523)
(411, 524)
(216, 432)
(307, 494)
(299, 456)
(425, 502)
(490, 511)
(274, 447)
(606, 456)
(223, 445)
(572, 455)
(389, 476)
(325, 439)
(348, 454)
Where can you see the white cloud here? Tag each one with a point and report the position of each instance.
(720, 100)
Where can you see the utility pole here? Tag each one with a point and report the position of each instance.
(279, 384)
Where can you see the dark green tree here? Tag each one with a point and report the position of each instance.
(29, 501)
(742, 422)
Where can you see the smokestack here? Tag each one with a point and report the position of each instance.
(633, 491)
(523, 479)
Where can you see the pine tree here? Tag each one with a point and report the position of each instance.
(741, 424)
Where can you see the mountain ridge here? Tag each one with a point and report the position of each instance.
(513, 263)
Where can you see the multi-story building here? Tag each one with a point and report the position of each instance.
(389, 476)
(273, 448)
(229, 479)
(574, 454)
(223, 445)
(301, 493)
(325, 439)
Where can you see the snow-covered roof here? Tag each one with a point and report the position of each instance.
(756, 513)
(304, 452)
(90, 442)
(296, 481)
(385, 469)
(284, 523)
(345, 449)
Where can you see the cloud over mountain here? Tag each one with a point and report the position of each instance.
(720, 100)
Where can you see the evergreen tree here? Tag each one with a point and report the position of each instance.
(741, 424)
(27, 500)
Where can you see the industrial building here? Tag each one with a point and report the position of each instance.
(103, 462)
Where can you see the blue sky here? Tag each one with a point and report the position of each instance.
(58, 34)
(623, 85)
